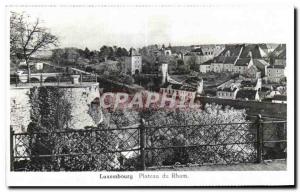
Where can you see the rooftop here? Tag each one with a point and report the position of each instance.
(277, 66)
(280, 97)
(242, 62)
(246, 93)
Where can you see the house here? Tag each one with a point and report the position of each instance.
(248, 94)
(253, 72)
(275, 73)
(222, 64)
(205, 67)
(211, 50)
(278, 56)
(242, 64)
(196, 56)
(261, 65)
(229, 89)
(250, 51)
(133, 63)
(226, 59)
(254, 85)
(227, 92)
(279, 99)
(177, 91)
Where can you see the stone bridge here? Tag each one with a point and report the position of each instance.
(41, 77)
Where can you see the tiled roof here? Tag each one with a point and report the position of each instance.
(276, 66)
(260, 63)
(263, 46)
(244, 93)
(227, 89)
(218, 59)
(248, 83)
(230, 60)
(280, 97)
(279, 52)
(250, 49)
(207, 62)
(198, 50)
(193, 54)
(234, 50)
(242, 62)
(225, 60)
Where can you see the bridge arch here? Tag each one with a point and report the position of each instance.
(34, 79)
(50, 79)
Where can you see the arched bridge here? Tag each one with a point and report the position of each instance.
(40, 77)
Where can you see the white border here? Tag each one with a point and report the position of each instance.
(206, 178)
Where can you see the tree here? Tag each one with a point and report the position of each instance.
(119, 52)
(124, 52)
(87, 53)
(27, 38)
(57, 56)
(104, 52)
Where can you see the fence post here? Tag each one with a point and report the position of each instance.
(41, 81)
(11, 149)
(142, 144)
(259, 138)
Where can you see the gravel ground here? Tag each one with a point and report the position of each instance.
(277, 165)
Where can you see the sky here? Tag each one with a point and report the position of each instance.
(140, 26)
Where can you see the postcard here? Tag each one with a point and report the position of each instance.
(163, 95)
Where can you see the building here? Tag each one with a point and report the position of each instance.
(227, 92)
(248, 94)
(212, 50)
(226, 59)
(205, 67)
(196, 56)
(133, 63)
(250, 84)
(266, 48)
(275, 73)
(261, 65)
(279, 99)
(278, 56)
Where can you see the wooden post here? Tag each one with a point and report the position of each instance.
(142, 144)
(11, 149)
(259, 138)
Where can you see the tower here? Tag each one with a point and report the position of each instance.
(200, 87)
(133, 63)
(164, 70)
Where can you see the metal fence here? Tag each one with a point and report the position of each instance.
(147, 147)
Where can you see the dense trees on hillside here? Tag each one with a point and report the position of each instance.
(69, 56)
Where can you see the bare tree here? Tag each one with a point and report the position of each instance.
(28, 37)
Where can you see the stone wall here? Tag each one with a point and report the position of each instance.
(19, 108)
(80, 97)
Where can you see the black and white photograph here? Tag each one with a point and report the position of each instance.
(131, 95)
